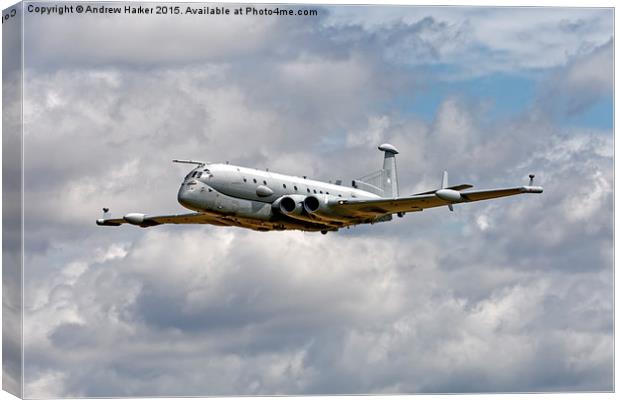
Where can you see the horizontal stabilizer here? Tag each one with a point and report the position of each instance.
(457, 187)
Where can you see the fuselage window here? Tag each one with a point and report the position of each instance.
(254, 180)
(245, 180)
(284, 185)
(314, 190)
(308, 190)
(339, 195)
(326, 192)
(295, 187)
(320, 191)
(264, 182)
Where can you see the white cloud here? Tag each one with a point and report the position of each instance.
(483, 222)
(583, 204)
(374, 133)
(46, 385)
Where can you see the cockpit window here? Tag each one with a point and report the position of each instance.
(198, 175)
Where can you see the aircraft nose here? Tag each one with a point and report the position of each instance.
(190, 194)
(182, 196)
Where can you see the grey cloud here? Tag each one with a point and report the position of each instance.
(586, 79)
(128, 39)
(472, 42)
(482, 40)
(71, 336)
(572, 25)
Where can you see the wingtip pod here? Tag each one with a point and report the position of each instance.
(106, 215)
(104, 222)
(531, 189)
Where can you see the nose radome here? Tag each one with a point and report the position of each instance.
(182, 196)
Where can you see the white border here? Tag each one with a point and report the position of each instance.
(506, 3)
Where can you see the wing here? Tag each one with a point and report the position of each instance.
(147, 220)
(419, 202)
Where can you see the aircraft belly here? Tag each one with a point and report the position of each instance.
(260, 216)
(233, 211)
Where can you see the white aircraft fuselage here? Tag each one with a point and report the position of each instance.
(247, 197)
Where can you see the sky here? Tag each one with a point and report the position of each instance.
(512, 295)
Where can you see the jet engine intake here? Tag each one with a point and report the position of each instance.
(311, 204)
(319, 208)
(289, 205)
(293, 206)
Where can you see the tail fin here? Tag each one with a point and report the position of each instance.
(390, 178)
(385, 181)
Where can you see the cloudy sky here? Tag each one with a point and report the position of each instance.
(502, 296)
